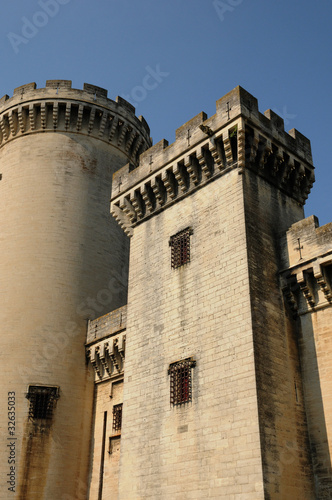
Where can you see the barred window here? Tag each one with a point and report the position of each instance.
(42, 401)
(117, 417)
(180, 247)
(181, 381)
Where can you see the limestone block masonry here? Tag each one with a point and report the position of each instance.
(105, 346)
(64, 260)
(307, 283)
(199, 364)
(237, 181)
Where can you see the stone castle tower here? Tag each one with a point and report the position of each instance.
(64, 260)
(212, 378)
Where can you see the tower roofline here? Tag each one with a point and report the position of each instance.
(236, 136)
(60, 108)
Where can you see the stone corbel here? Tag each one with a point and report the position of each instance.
(103, 357)
(289, 167)
(67, 115)
(146, 196)
(228, 148)
(126, 206)
(122, 219)
(111, 352)
(179, 176)
(192, 169)
(32, 116)
(55, 115)
(114, 125)
(254, 147)
(131, 139)
(79, 117)
(159, 190)
(21, 119)
(288, 288)
(203, 164)
(93, 352)
(11, 119)
(3, 128)
(91, 120)
(267, 152)
(102, 125)
(323, 281)
(279, 160)
(241, 148)
(137, 204)
(213, 147)
(305, 287)
(121, 347)
(123, 133)
(300, 175)
(169, 183)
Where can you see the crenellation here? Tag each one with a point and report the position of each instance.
(112, 122)
(23, 89)
(58, 84)
(220, 364)
(219, 143)
(306, 281)
(106, 325)
(276, 121)
(122, 102)
(62, 90)
(4, 99)
(186, 132)
(97, 91)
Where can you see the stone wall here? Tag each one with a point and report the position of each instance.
(307, 261)
(209, 448)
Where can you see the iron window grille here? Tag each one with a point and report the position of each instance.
(180, 248)
(117, 417)
(42, 401)
(181, 381)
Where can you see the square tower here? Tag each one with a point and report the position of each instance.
(210, 408)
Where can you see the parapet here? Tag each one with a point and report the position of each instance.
(307, 258)
(105, 346)
(306, 240)
(60, 108)
(238, 136)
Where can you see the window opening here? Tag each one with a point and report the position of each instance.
(180, 248)
(117, 417)
(181, 381)
(42, 401)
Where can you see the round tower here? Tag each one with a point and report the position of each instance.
(63, 261)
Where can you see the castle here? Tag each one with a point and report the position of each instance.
(197, 364)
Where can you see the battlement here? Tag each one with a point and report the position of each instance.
(60, 108)
(307, 279)
(105, 346)
(305, 240)
(237, 136)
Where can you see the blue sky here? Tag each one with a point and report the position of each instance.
(280, 51)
